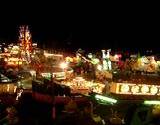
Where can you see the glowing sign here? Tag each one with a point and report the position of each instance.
(136, 89)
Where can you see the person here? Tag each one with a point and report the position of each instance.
(87, 117)
(115, 120)
(70, 115)
(73, 116)
(11, 118)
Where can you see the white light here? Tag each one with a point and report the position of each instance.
(154, 90)
(135, 89)
(90, 55)
(124, 88)
(33, 73)
(105, 65)
(144, 89)
(152, 102)
(99, 67)
(109, 65)
(63, 65)
(107, 99)
(103, 54)
(116, 56)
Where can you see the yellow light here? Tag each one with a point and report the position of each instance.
(13, 59)
(95, 61)
(124, 88)
(20, 63)
(144, 89)
(15, 88)
(115, 56)
(8, 87)
(106, 99)
(135, 89)
(11, 63)
(152, 102)
(5, 59)
(52, 55)
(99, 67)
(69, 59)
(154, 90)
(63, 65)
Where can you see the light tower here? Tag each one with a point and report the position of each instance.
(105, 67)
(25, 43)
(106, 59)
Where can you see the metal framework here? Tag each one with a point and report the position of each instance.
(25, 43)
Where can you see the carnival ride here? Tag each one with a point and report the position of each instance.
(25, 43)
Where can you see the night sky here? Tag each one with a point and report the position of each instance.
(81, 28)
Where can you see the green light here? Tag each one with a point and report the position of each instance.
(104, 98)
(153, 102)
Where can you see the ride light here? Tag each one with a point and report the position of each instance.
(106, 99)
(153, 90)
(152, 102)
(99, 67)
(63, 65)
(124, 88)
(144, 89)
(135, 89)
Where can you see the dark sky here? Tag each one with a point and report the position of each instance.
(85, 28)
